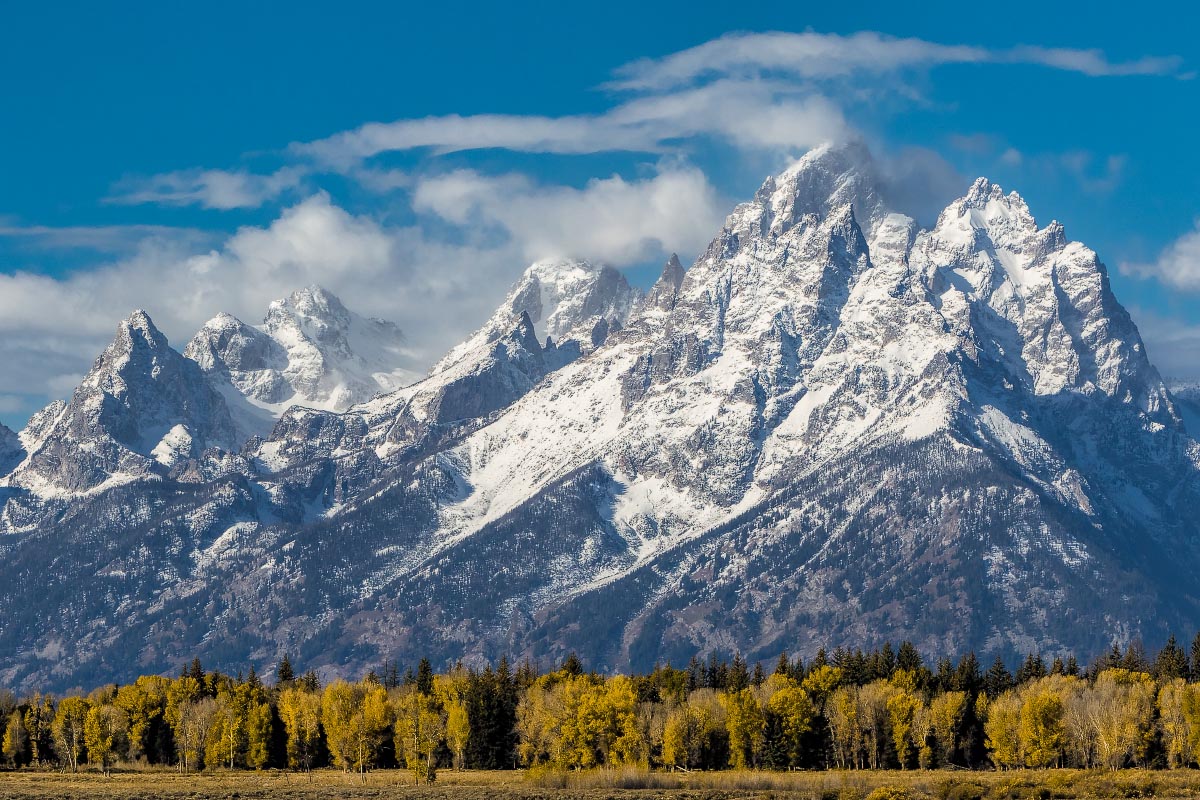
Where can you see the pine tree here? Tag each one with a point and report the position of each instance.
(998, 679)
(738, 677)
(425, 677)
(907, 657)
(283, 673)
(759, 675)
(967, 677)
(572, 665)
(1171, 662)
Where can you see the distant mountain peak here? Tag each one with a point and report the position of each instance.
(564, 300)
(310, 350)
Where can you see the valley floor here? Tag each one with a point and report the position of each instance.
(616, 784)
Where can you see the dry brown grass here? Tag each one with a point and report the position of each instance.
(626, 784)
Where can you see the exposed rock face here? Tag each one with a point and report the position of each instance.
(11, 450)
(142, 409)
(835, 427)
(310, 351)
(567, 301)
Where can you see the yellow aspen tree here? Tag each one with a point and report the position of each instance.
(1174, 722)
(300, 712)
(1121, 710)
(144, 703)
(946, 712)
(902, 708)
(67, 730)
(16, 739)
(339, 703)
(39, 720)
(450, 690)
(873, 719)
(419, 731)
(841, 713)
(1003, 730)
(744, 722)
(369, 725)
(1042, 729)
(795, 711)
(686, 733)
(105, 732)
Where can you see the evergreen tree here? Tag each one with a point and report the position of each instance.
(967, 677)
(425, 677)
(738, 676)
(1134, 659)
(283, 673)
(998, 679)
(907, 657)
(759, 676)
(572, 665)
(1033, 669)
(1171, 662)
(1071, 668)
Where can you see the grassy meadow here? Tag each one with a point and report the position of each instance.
(608, 783)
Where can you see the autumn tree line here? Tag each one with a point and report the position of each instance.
(846, 710)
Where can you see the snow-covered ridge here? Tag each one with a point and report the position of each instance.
(310, 351)
(833, 426)
(568, 300)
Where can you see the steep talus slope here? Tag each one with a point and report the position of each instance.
(835, 427)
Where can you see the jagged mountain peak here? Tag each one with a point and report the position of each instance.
(665, 292)
(826, 178)
(833, 425)
(141, 409)
(565, 299)
(311, 350)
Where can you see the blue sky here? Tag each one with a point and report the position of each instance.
(163, 156)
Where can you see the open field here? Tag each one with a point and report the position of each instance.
(598, 785)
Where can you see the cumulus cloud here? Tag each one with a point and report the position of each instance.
(208, 188)
(816, 56)
(1177, 265)
(436, 289)
(611, 219)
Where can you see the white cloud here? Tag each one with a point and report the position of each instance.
(208, 188)
(611, 219)
(100, 238)
(436, 290)
(753, 114)
(819, 56)
(1177, 265)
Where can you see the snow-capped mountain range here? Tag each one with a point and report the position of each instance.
(835, 427)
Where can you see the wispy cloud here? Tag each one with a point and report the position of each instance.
(817, 56)
(1178, 265)
(110, 239)
(208, 188)
(754, 113)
